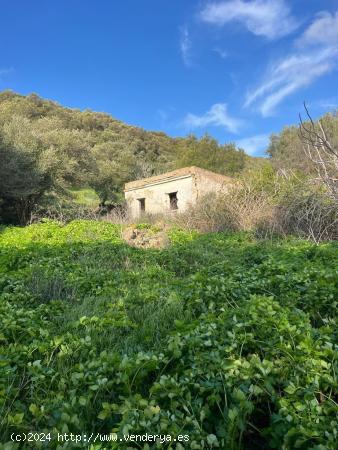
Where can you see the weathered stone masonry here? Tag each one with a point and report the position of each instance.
(173, 191)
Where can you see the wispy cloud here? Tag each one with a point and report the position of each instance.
(269, 18)
(185, 45)
(222, 53)
(322, 31)
(166, 116)
(327, 103)
(217, 116)
(162, 114)
(5, 71)
(288, 76)
(315, 54)
(254, 145)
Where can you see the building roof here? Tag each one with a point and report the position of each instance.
(176, 174)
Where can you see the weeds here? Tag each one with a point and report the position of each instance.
(220, 337)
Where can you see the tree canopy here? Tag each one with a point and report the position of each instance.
(46, 148)
(286, 148)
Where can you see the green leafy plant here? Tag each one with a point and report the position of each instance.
(221, 337)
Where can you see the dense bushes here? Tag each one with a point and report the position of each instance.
(268, 204)
(45, 149)
(286, 148)
(308, 212)
(219, 337)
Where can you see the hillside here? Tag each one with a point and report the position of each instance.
(64, 149)
(221, 339)
(82, 147)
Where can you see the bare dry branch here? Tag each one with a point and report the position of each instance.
(319, 150)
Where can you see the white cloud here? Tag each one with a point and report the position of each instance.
(288, 76)
(254, 145)
(268, 18)
(315, 56)
(216, 116)
(322, 31)
(185, 45)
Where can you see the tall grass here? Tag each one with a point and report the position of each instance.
(273, 206)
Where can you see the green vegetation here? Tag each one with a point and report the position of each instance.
(63, 149)
(86, 197)
(219, 336)
(222, 337)
(207, 153)
(286, 148)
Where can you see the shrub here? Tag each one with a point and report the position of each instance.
(267, 204)
(306, 211)
(241, 209)
(211, 213)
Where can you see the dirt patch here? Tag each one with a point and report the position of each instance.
(144, 236)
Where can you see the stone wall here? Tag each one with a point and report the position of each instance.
(190, 183)
(211, 182)
(156, 196)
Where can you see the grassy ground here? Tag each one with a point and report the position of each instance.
(86, 197)
(225, 339)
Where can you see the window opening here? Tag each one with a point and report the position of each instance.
(142, 202)
(173, 200)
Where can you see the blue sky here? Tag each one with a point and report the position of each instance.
(236, 69)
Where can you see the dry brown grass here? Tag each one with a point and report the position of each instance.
(282, 206)
(239, 209)
(307, 213)
(302, 210)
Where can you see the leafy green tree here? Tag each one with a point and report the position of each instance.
(111, 171)
(63, 149)
(25, 175)
(207, 153)
(286, 148)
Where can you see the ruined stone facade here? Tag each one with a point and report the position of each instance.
(173, 191)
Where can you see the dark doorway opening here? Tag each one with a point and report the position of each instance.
(173, 200)
(142, 202)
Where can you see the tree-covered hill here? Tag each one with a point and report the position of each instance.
(46, 148)
(47, 151)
